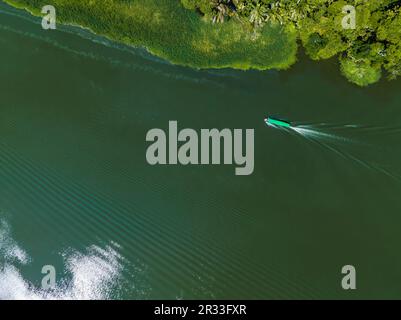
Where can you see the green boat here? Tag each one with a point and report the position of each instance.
(275, 122)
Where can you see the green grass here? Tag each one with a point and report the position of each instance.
(176, 34)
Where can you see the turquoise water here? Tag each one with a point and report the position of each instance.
(77, 193)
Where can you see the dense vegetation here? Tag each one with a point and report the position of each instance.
(373, 45)
(172, 32)
(260, 34)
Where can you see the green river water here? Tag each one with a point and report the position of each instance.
(77, 193)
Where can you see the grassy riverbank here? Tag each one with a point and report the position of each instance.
(364, 35)
(172, 32)
(242, 34)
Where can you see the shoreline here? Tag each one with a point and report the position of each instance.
(275, 48)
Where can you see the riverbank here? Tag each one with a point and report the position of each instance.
(186, 36)
(168, 30)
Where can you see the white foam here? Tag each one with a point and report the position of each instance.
(9, 249)
(14, 287)
(314, 133)
(91, 275)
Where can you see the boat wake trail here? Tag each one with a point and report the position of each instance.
(309, 132)
(331, 141)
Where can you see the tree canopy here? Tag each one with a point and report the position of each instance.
(365, 49)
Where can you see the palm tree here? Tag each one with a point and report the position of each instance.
(221, 9)
(259, 14)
